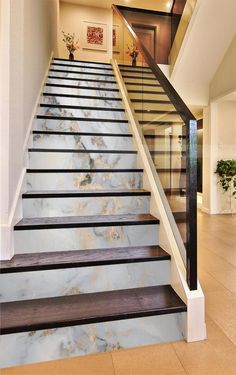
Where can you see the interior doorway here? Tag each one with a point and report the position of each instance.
(147, 35)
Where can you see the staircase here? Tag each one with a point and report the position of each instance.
(88, 274)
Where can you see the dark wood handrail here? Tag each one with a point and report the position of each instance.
(179, 104)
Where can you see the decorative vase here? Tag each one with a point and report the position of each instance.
(71, 56)
(134, 61)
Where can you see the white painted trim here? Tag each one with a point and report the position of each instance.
(16, 211)
(34, 111)
(193, 299)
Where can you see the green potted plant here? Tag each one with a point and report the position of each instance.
(71, 44)
(226, 170)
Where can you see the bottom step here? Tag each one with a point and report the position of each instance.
(47, 313)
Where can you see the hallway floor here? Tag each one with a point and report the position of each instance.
(216, 355)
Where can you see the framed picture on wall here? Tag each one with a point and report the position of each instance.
(94, 36)
(116, 38)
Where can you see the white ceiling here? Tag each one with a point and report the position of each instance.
(161, 5)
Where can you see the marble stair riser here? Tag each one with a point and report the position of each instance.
(55, 283)
(154, 106)
(75, 341)
(77, 82)
(82, 69)
(82, 75)
(138, 75)
(177, 180)
(168, 160)
(140, 88)
(84, 181)
(78, 62)
(81, 102)
(44, 240)
(81, 126)
(81, 113)
(140, 95)
(141, 81)
(157, 147)
(48, 207)
(149, 117)
(77, 160)
(78, 142)
(79, 91)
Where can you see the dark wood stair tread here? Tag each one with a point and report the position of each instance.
(46, 313)
(85, 134)
(156, 111)
(140, 77)
(152, 101)
(38, 223)
(134, 67)
(81, 87)
(82, 119)
(82, 258)
(73, 62)
(104, 98)
(81, 79)
(136, 72)
(146, 92)
(67, 71)
(82, 151)
(89, 108)
(85, 193)
(97, 170)
(180, 217)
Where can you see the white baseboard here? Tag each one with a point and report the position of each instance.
(16, 211)
(206, 210)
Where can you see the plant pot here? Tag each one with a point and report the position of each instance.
(71, 56)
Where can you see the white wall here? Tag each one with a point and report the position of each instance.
(71, 20)
(225, 78)
(28, 37)
(219, 132)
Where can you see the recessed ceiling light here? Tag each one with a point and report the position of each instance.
(169, 4)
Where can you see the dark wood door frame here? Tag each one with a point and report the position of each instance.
(147, 27)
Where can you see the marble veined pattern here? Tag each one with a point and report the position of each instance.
(81, 91)
(82, 75)
(55, 283)
(30, 241)
(76, 82)
(81, 63)
(81, 126)
(77, 160)
(94, 102)
(23, 348)
(82, 69)
(48, 207)
(82, 113)
(94, 181)
(93, 142)
(67, 342)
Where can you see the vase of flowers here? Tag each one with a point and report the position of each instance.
(71, 44)
(133, 52)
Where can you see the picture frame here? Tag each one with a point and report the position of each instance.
(94, 36)
(116, 38)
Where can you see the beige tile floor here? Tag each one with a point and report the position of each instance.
(216, 355)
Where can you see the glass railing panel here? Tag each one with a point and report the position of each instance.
(163, 128)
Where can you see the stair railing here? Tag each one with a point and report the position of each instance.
(160, 120)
